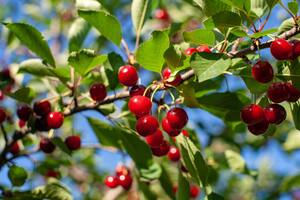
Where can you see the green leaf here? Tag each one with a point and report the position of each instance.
(183, 187)
(85, 60)
(150, 54)
(152, 173)
(107, 24)
(211, 7)
(33, 39)
(140, 10)
(25, 95)
(77, 34)
(17, 175)
(88, 5)
(166, 183)
(235, 161)
(61, 145)
(287, 25)
(199, 36)
(293, 6)
(208, 65)
(296, 114)
(226, 19)
(259, 7)
(272, 3)
(215, 196)
(292, 141)
(263, 33)
(175, 58)
(290, 183)
(113, 63)
(147, 192)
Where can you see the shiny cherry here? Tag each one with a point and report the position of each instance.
(140, 105)
(98, 92)
(111, 181)
(42, 108)
(294, 93)
(190, 51)
(177, 118)
(128, 75)
(169, 129)
(185, 133)
(125, 181)
(174, 154)
(24, 112)
(281, 49)
(162, 14)
(73, 142)
(275, 113)
(156, 139)
(146, 125)
(262, 72)
(166, 74)
(137, 90)
(252, 114)
(194, 191)
(162, 150)
(259, 128)
(55, 120)
(122, 170)
(296, 48)
(203, 48)
(278, 92)
(46, 145)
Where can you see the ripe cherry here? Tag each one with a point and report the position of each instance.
(140, 105)
(41, 124)
(259, 128)
(137, 90)
(146, 125)
(2, 115)
(24, 112)
(125, 181)
(177, 118)
(55, 120)
(122, 170)
(190, 51)
(281, 49)
(162, 150)
(46, 145)
(42, 108)
(15, 148)
(73, 142)
(275, 113)
(174, 189)
(52, 173)
(156, 139)
(169, 129)
(21, 123)
(98, 92)
(166, 73)
(1, 95)
(185, 133)
(111, 181)
(262, 71)
(203, 48)
(294, 93)
(194, 191)
(162, 14)
(278, 92)
(128, 75)
(174, 154)
(252, 114)
(296, 48)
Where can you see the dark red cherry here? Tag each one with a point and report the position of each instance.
(2, 115)
(162, 14)
(73, 142)
(162, 150)
(111, 181)
(52, 173)
(21, 123)
(190, 51)
(46, 145)
(42, 108)
(122, 170)
(262, 72)
(41, 124)
(275, 113)
(194, 191)
(296, 48)
(156, 139)
(252, 114)
(15, 148)
(177, 118)
(278, 92)
(128, 75)
(259, 128)
(146, 125)
(140, 105)
(203, 48)
(174, 154)
(139, 90)
(24, 112)
(294, 93)
(169, 129)
(1, 95)
(55, 119)
(125, 181)
(281, 49)
(98, 92)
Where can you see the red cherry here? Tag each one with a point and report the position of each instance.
(42, 108)
(169, 129)
(46, 145)
(262, 71)
(252, 114)
(190, 51)
(162, 14)
(140, 105)
(111, 181)
(1, 95)
(41, 124)
(24, 112)
(122, 170)
(281, 49)
(175, 189)
(2, 115)
(5, 74)
(296, 48)
(15, 148)
(203, 48)
(55, 120)
(125, 181)
(176, 81)
(177, 118)
(98, 92)
(166, 73)
(162, 150)
(278, 92)
(128, 75)
(73, 142)
(156, 139)
(185, 133)
(21, 123)
(294, 93)
(275, 113)
(174, 154)
(52, 173)
(194, 191)
(137, 90)
(259, 128)
(146, 125)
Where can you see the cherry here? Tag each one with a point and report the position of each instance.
(194, 191)
(73, 142)
(55, 120)
(252, 114)
(42, 108)
(52, 173)
(185, 133)
(296, 48)
(262, 71)
(190, 51)
(125, 181)
(203, 48)
(5, 74)
(111, 181)
(146, 125)
(41, 124)
(1, 95)
(174, 189)
(122, 170)
(15, 148)
(281, 49)
(162, 14)
(46, 145)
(21, 123)
(259, 128)
(166, 73)
(156, 139)
(174, 154)
(24, 112)
(294, 93)
(140, 105)
(169, 129)
(137, 90)
(162, 150)
(275, 113)
(278, 92)
(98, 92)
(2, 115)
(177, 118)
(128, 75)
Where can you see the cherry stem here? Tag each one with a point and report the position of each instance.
(156, 89)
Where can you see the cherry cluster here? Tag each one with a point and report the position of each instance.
(282, 49)
(122, 178)
(203, 48)
(72, 142)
